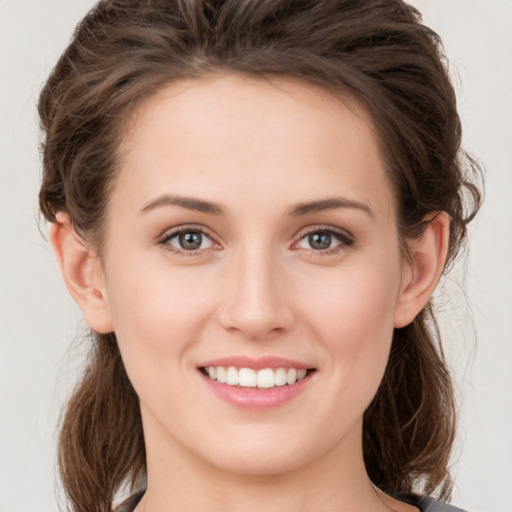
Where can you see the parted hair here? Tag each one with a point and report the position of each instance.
(377, 52)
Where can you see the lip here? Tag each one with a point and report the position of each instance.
(256, 363)
(257, 399)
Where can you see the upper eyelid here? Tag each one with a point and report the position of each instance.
(323, 227)
(299, 235)
(164, 239)
(172, 232)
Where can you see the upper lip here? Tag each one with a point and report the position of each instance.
(258, 363)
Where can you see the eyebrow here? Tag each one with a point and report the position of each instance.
(331, 203)
(191, 203)
(200, 205)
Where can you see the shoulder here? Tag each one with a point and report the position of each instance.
(130, 503)
(428, 504)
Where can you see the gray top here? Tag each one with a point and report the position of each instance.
(425, 504)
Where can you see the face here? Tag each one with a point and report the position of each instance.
(251, 237)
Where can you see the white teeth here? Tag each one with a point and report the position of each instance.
(221, 374)
(291, 376)
(248, 377)
(280, 377)
(266, 378)
(232, 376)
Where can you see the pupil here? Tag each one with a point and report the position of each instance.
(190, 241)
(320, 240)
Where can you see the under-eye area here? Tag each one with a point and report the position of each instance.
(264, 378)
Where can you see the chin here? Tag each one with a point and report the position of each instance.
(266, 453)
(260, 464)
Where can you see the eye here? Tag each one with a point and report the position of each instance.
(188, 240)
(327, 240)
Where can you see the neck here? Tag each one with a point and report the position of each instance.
(178, 480)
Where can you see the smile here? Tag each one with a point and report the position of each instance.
(263, 378)
(257, 384)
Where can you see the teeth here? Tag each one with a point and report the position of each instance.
(301, 374)
(232, 376)
(280, 377)
(265, 378)
(291, 376)
(247, 377)
(221, 374)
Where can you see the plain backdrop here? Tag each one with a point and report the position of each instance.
(38, 322)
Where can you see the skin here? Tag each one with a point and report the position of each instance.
(256, 287)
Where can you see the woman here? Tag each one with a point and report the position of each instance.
(252, 203)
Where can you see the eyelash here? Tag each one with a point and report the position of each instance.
(345, 239)
(164, 241)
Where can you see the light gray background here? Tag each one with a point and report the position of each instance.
(38, 320)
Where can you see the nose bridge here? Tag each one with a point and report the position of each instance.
(256, 304)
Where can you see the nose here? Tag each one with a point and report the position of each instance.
(257, 302)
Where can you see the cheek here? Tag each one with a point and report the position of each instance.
(353, 318)
(157, 313)
(355, 302)
(158, 317)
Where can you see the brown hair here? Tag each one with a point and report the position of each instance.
(378, 51)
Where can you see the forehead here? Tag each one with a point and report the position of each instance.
(240, 137)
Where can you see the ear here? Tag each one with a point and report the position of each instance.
(82, 272)
(422, 271)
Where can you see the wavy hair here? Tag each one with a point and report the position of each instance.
(377, 51)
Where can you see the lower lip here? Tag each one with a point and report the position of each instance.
(258, 398)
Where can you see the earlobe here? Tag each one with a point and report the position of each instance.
(82, 273)
(424, 268)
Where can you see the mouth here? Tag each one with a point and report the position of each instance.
(257, 384)
(262, 378)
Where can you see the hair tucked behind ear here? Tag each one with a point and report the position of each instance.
(376, 51)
